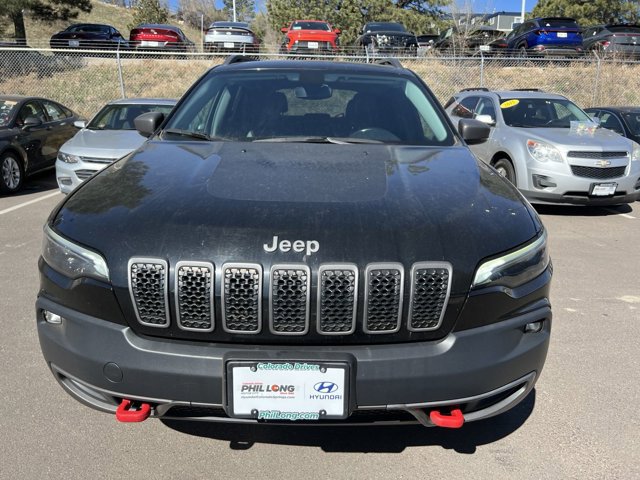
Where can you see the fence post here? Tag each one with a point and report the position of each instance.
(481, 68)
(122, 93)
(597, 84)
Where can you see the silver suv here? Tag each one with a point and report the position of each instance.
(545, 145)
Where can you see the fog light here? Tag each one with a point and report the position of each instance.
(64, 180)
(51, 317)
(542, 181)
(533, 327)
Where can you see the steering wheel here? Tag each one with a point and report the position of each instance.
(374, 133)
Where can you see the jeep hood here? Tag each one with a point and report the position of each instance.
(223, 202)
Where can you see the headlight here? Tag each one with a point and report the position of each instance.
(70, 259)
(68, 158)
(515, 268)
(635, 153)
(543, 152)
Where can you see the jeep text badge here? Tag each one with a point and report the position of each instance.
(310, 246)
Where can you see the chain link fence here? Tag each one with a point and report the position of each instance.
(84, 81)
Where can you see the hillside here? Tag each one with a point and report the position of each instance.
(38, 33)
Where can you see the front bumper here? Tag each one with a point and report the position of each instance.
(70, 175)
(484, 370)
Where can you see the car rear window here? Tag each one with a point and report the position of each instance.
(267, 105)
(624, 29)
(558, 23)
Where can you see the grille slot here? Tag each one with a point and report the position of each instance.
(384, 289)
(289, 299)
(598, 173)
(337, 296)
(241, 294)
(194, 296)
(430, 286)
(596, 155)
(105, 161)
(85, 174)
(148, 286)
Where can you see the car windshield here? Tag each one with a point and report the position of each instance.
(632, 120)
(385, 27)
(120, 117)
(310, 26)
(540, 112)
(312, 105)
(6, 112)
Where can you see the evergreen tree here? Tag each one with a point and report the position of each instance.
(590, 12)
(244, 10)
(43, 10)
(149, 11)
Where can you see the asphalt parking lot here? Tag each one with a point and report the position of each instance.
(581, 421)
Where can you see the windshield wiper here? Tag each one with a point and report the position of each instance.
(188, 133)
(335, 140)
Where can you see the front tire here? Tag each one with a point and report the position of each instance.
(11, 173)
(505, 168)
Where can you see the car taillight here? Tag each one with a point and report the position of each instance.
(605, 43)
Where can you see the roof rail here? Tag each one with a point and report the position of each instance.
(238, 59)
(474, 89)
(389, 62)
(526, 90)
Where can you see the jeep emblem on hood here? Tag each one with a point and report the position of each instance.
(310, 246)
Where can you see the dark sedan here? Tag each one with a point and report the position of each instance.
(387, 38)
(89, 36)
(480, 39)
(32, 130)
(622, 120)
(620, 40)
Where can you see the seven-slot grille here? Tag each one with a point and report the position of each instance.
(289, 290)
(598, 172)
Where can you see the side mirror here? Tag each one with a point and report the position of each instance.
(473, 131)
(337, 31)
(30, 122)
(148, 123)
(486, 119)
(80, 124)
(284, 29)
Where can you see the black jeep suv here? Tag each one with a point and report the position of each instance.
(298, 240)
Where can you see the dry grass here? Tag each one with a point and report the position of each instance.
(86, 84)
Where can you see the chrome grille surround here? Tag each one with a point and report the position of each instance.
(194, 296)
(335, 280)
(289, 299)
(151, 306)
(430, 290)
(241, 298)
(383, 298)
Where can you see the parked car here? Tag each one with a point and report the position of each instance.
(32, 129)
(624, 121)
(85, 36)
(478, 39)
(386, 38)
(231, 37)
(110, 135)
(310, 36)
(535, 146)
(549, 36)
(425, 43)
(617, 39)
(160, 38)
(298, 241)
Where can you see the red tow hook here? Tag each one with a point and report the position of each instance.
(126, 412)
(454, 420)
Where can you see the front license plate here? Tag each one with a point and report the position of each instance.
(603, 189)
(313, 44)
(485, 48)
(147, 43)
(74, 43)
(287, 390)
(229, 45)
(562, 34)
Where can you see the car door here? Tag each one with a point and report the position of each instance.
(60, 128)
(33, 139)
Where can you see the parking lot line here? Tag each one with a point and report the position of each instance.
(20, 205)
